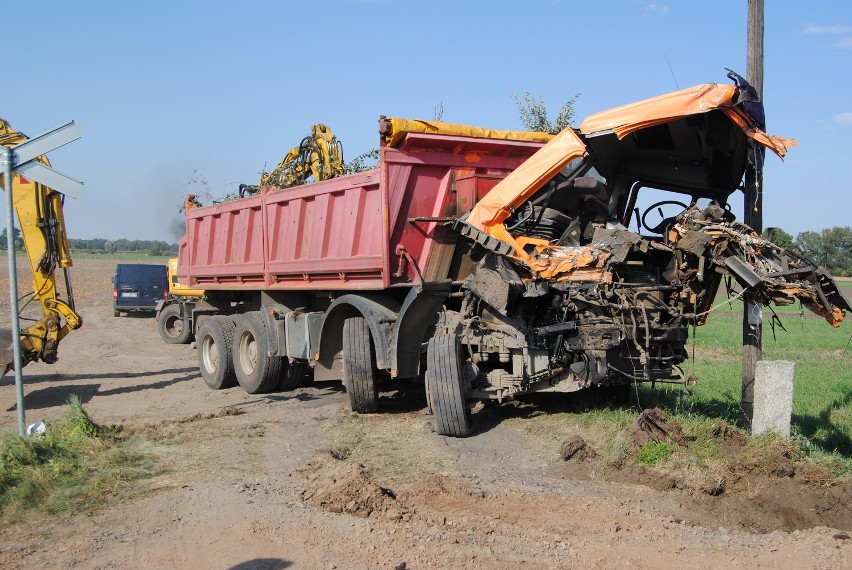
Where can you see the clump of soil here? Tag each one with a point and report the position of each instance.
(225, 412)
(651, 426)
(340, 486)
(576, 448)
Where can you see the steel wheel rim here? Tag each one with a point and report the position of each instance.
(174, 325)
(248, 353)
(209, 355)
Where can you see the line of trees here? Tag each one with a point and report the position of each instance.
(101, 245)
(830, 248)
(19, 241)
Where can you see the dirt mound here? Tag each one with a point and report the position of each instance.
(340, 486)
(575, 448)
(792, 494)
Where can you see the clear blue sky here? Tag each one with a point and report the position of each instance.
(171, 93)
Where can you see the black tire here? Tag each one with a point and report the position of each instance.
(173, 328)
(358, 373)
(116, 313)
(297, 374)
(215, 338)
(257, 372)
(446, 387)
(618, 395)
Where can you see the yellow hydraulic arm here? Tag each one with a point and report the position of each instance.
(318, 155)
(42, 224)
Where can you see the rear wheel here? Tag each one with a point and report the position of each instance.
(116, 313)
(297, 374)
(215, 338)
(257, 372)
(173, 328)
(358, 374)
(445, 386)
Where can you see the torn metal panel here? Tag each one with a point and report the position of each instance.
(772, 273)
(743, 272)
(724, 101)
(567, 297)
(496, 282)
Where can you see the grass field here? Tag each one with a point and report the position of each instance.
(139, 256)
(822, 405)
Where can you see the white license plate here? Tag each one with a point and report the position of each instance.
(130, 294)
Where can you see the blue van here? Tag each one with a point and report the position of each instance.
(138, 287)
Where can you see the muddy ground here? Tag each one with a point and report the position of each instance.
(270, 482)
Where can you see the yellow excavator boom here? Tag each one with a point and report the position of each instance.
(42, 223)
(318, 155)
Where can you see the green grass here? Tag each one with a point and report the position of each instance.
(822, 402)
(76, 465)
(125, 256)
(653, 452)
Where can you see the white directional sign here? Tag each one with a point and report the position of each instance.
(24, 162)
(46, 142)
(51, 178)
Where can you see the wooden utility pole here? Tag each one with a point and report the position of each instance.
(753, 214)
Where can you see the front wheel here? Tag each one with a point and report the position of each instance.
(215, 338)
(172, 326)
(445, 386)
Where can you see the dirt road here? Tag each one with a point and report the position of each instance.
(280, 481)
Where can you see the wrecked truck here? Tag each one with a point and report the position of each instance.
(500, 263)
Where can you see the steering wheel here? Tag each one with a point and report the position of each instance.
(665, 221)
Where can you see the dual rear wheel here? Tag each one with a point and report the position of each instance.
(233, 350)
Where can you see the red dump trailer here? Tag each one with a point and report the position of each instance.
(369, 231)
(501, 263)
(346, 274)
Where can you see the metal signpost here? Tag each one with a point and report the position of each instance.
(22, 159)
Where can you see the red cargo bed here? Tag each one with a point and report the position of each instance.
(351, 232)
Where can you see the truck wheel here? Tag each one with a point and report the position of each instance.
(116, 313)
(173, 328)
(257, 372)
(358, 374)
(445, 386)
(215, 339)
(297, 374)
